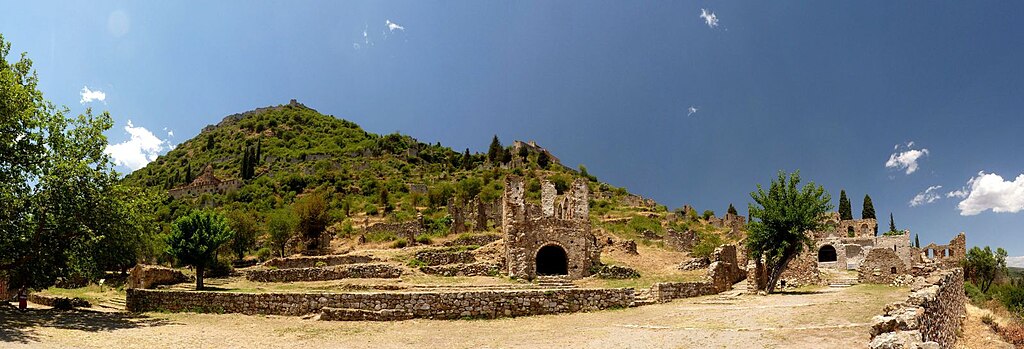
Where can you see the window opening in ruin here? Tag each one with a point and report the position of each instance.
(827, 253)
(552, 260)
(849, 232)
(892, 270)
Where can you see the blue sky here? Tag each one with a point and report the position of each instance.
(837, 90)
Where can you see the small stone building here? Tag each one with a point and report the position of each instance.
(554, 239)
(206, 182)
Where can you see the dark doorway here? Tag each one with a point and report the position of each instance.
(827, 253)
(551, 260)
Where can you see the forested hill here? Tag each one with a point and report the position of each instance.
(290, 150)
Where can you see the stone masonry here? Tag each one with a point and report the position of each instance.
(382, 271)
(559, 234)
(932, 315)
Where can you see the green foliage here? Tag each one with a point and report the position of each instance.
(868, 212)
(400, 243)
(543, 160)
(468, 188)
(706, 244)
(845, 211)
(586, 174)
(195, 238)
(495, 152)
(732, 210)
(892, 223)
(917, 241)
(708, 214)
(982, 266)
(246, 230)
(782, 217)
(281, 226)
(561, 182)
(264, 254)
(311, 212)
(440, 194)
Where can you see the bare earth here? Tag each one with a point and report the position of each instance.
(819, 318)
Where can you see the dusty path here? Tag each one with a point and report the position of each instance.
(826, 318)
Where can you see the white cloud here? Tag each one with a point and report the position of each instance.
(928, 196)
(392, 26)
(90, 95)
(905, 159)
(961, 193)
(142, 148)
(691, 110)
(988, 191)
(709, 18)
(1017, 262)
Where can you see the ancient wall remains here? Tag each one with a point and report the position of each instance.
(317, 261)
(721, 275)
(881, 266)
(377, 271)
(63, 303)
(385, 306)
(148, 276)
(405, 230)
(463, 269)
(802, 270)
(565, 227)
(681, 241)
(934, 312)
(204, 183)
(444, 256)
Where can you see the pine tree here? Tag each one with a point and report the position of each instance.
(495, 154)
(892, 224)
(732, 210)
(869, 209)
(467, 160)
(845, 212)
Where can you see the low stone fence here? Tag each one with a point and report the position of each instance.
(931, 316)
(382, 271)
(317, 261)
(64, 303)
(474, 240)
(667, 291)
(617, 272)
(723, 272)
(444, 256)
(384, 306)
(469, 269)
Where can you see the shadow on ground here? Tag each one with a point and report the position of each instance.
(21, 327)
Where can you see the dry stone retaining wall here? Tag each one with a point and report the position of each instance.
(385, 306)
(382, 271)
(316, 261)
(442, 257)
(932, 315)
(469, 269)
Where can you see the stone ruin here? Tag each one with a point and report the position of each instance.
(554, 239)
(206, 182)
(474, 215)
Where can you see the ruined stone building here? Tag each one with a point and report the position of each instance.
(852, 245)
(553, 239)
(206, 182)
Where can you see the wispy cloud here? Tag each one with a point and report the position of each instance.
(91, 95)
(691, 110)
(392, 26)
(928, 196)
(905, 159)
(140, 149)
(989, 191)
(709, 18)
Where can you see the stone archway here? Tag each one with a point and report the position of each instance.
(827, 253)
(552, 260)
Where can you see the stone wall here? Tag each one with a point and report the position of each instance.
(317, 261)
(681, 241)
(667, 291)
(477, 240)
(617, 272)
(721, 275)
(405, 230)
(444, 256)
(802, 270)
(63, 303)
(381, 271)
(934, 312)
(467, 269)
(385, 306)
(148, 276)
(882, 266)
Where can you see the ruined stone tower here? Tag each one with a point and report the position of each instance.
(552, 240)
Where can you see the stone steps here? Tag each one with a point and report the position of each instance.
(843, 282)
(642, 297)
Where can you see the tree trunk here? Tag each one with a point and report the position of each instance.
(199, 276)
(776, 272)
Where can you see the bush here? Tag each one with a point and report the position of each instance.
(400, 243)
(221, 268)
(424, 240)
(264, 254)
(707, 245)
(975, 294)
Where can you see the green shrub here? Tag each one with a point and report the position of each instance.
(264, 254)
(400, 243)
(424, 240)
(707, 244)
(220, 268)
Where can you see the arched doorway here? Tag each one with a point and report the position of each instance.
(827, 253)
(552, 260)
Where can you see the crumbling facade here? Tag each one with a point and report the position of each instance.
(554, 239)
(206, 182)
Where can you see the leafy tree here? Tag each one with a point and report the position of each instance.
(313, 219)
(495, 152)
(783, 216)
(195, 238)
(468, 188)
(209, 142)
(543, 160)
(845, 212)
(732, 210)
(188, 173)
(246, 229)
(127, 226)
(506, 156)
(869, 209)
(55, 181)
(385, 202)
(281, 226)
(708, 214)
(440, 194)
(982, 266)
(586, 174)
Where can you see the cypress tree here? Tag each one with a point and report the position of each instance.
(188, 173)
(845, 212)
(543, 160)
(869, 209)
(892, 223)
(732, 210)
(495, 154)
(917, 242)
(467, 160)
(259, 150)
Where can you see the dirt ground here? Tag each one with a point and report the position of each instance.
(979, 335)
(820, 318)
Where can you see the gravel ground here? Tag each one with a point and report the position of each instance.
(822, 318)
